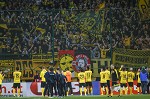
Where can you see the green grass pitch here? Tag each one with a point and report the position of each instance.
(87, 97)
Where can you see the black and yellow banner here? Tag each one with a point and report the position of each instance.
(131, 57)
(144, 6)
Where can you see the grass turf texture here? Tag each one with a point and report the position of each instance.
(86, 97)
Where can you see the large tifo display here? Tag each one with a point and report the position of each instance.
(34, 88)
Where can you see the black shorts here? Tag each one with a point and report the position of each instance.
(103, 84)
(108, 83)
(82, 84)
(69, 84)
(123, 85)
(0, 86)
(43, 84)
(130, 84)
(89, 84)
(114, 83)
(16, 85)
(138, 84)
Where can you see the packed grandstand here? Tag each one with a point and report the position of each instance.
(37, 33)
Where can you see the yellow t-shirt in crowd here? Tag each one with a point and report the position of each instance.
(123, 76)
(103, 53)
(42, 75)
(127, 41)
(17, 76)
(130, 76)
(103, 77)
(81, 77)
(88, 75)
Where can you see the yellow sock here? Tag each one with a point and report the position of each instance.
(84, 90)
(67, 93)
(126, 90)
(88, 90)
(130, 90)
(102, 91)
(19, 92)
(14, 91)
(138, 89)
(112, 92)
(107, 90)
(42, 90)
(121, 91)
(91, 90)
(80, 91)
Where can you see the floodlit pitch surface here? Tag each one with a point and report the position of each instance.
(146, 96)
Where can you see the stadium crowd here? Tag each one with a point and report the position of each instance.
(31, 26)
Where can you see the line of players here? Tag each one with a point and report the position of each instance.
(121, 77)
(61, 82)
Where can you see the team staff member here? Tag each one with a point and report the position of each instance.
(88, 76)
(114, 78)
(52, 79)
(1, 79)
(123, 81)
(47, 83)
(81, 77)
(108, 80)
(62, 84)
(16, 84)
(130, 76)
(43, 81)
(103, 81)
(69, 79)
(138, 81)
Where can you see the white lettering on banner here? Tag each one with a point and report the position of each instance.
(7, 89)
(75, 87)
(39, 87)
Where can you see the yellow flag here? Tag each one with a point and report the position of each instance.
(102, 5)
(3, 26)
(144, 6)
(41, 30)
(2, 4)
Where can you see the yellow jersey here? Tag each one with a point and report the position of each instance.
(103, 77)
(17, 76)
(138, 77)
(107, 75)
(42, 75)
(103, 53)
(1, 79)
(88, 75)
(130, 76)
(81, 77)
(123, 76)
